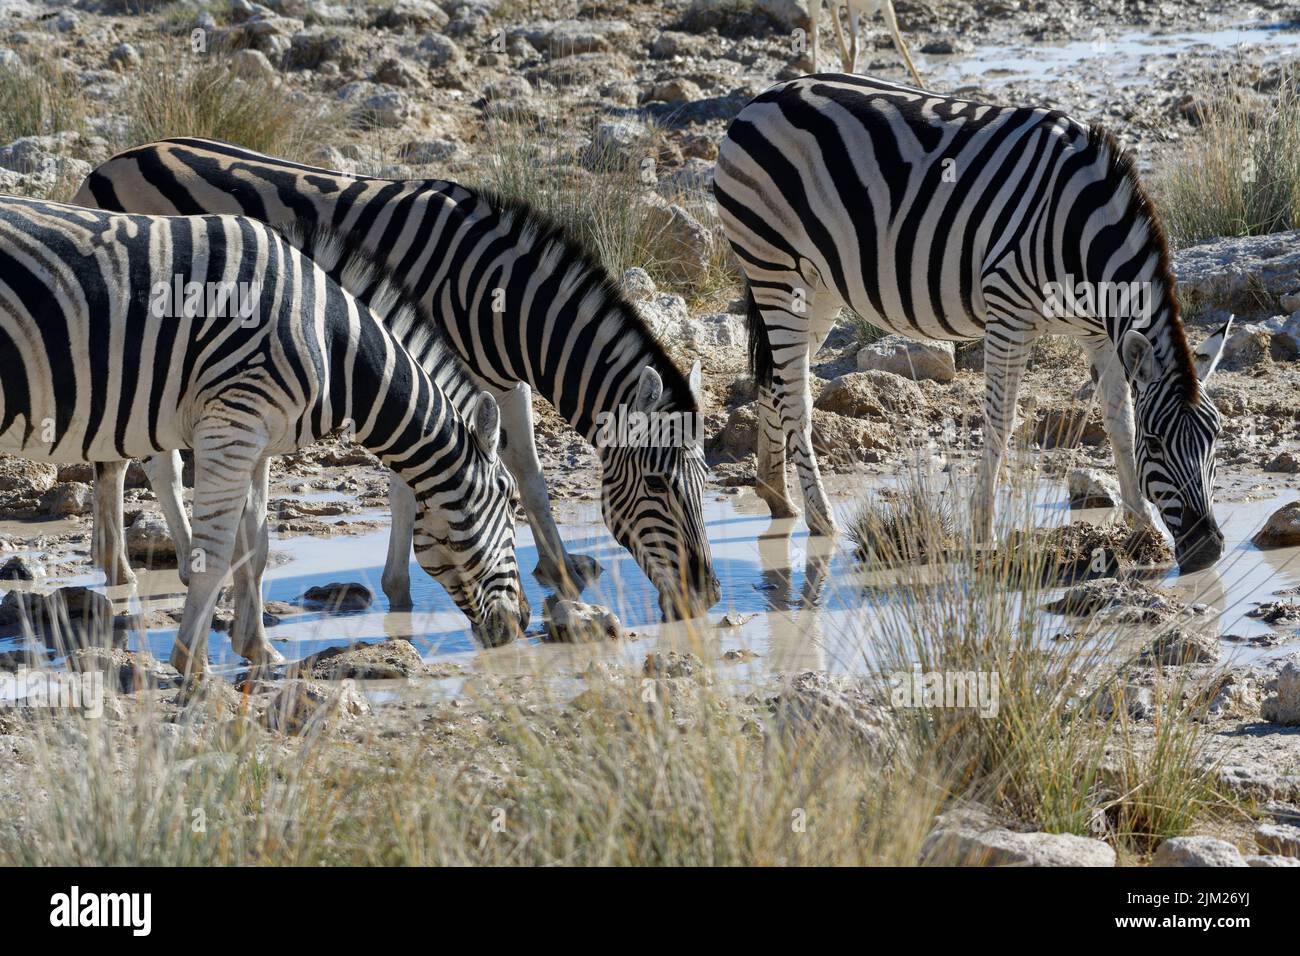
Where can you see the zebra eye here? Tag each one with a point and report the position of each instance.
(1155, 447)
(656, 484)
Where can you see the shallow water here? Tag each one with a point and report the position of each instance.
(1123, 57)
(804, 597)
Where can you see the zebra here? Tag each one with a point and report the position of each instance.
(99, 363)
(526, 308)
(944, 218)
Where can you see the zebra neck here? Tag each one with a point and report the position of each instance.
(542, 309)
(391, 406)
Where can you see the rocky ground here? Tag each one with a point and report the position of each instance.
(413, 83)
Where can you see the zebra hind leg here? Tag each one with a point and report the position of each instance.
(224, 463)
(108, 533)
(248, 630)
(795, 406)
(771, 486)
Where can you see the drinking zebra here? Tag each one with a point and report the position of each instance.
(943, 218)
(261, 355)
(520, 302)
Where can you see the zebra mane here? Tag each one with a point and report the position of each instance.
(550, 236)
(1121, 173)
(360, 273)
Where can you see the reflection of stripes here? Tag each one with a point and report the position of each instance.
(517, 299)
(942, 218)
(88, 372)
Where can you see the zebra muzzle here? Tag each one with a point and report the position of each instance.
(1198, 550)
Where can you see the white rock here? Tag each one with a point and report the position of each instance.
(666, 314)
(251, 65)
(148, 537)
(1283, 706)
(909, 358)
(637, 284)
(1272, 861)
(1197, 851)
(995, 846)
(1090, 488)
(718, 330)
(1231, 273)
(1278, 839)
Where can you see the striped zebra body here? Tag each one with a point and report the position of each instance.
(942, 218)
(517, 300)
(98, 364)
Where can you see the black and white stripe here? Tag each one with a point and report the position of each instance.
(518, 300)
(944, 218)
(90, 372)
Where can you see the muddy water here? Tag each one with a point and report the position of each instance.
(801, 601)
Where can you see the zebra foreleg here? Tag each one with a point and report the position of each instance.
(1117, 415)
(224, 465)
(569, 573)
(164, 471)
(108, 534)
(1005, 355)
(396, 580)
(248, 630)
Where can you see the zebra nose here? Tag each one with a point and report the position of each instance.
(500, 626)
(1196, 553)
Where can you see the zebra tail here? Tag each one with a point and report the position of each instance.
(760, 349)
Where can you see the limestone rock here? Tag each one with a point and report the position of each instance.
(909, 358)
(1197, 851)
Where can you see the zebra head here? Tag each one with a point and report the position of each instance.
(652, 475)
(465, 537)
(1177, 430)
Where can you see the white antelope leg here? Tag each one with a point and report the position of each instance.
(108, 534)
(891, 20)
(814, 11)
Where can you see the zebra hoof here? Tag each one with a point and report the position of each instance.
(822, 526)
(125, 578)
(579, 571)
(779, 505)
(190, 665)
(264, 657)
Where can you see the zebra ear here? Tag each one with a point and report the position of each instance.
(1139, 358)
(1210, 351)
(649, 389)
(485, 424)
(695, 379)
